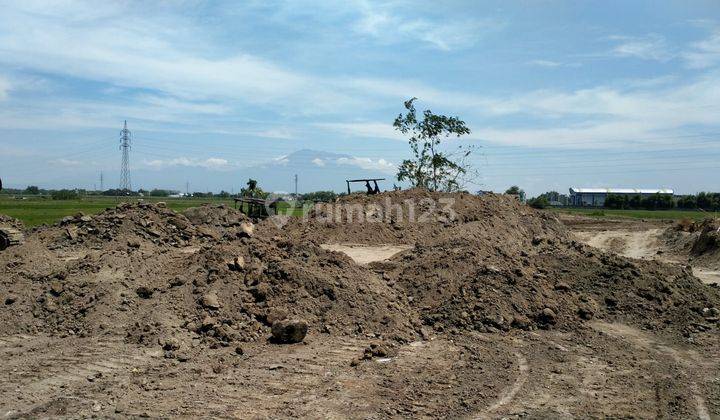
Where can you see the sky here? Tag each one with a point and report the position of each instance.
(556, 93)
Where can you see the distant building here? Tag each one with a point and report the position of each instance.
(595, 197)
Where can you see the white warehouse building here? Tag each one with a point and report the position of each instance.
(595, 197)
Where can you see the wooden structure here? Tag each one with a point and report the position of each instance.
(366, 180)
(256, 207)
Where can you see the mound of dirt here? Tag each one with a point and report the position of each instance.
(411, 216)
(148, 273)
(697, 241)
(463, 284)
(11, 222)
(706, 247)
(209, 276)
(497, 264)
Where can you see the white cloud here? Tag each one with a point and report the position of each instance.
(4, 88)
(275, 133)
(545, 63)
(705, 53)
(67, 162)
(552, 63)
(599, 117)
(209, 163)
(129, 50)
(192, 81)
(374, 130)
(650, 47)
(380, 165)
(281, 160)
(388, 25)
(318, 162)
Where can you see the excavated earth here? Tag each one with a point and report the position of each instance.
(417, 305)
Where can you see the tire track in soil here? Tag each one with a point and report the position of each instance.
(510, 393)
(34, 379)
(684, 359)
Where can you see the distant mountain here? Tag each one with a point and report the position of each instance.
(316, 170)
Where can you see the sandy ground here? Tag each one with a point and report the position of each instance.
(603, 370)
(590, 370)
(365, 254)
(634, 239)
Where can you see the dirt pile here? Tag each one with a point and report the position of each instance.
(462, 284)
(497, 264)
(706, 246)
(152, 224)
(154, 276)
(11, 222)
(209, 276)
(411, 216)
(698, 241)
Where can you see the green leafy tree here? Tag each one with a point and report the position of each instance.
(253, 190)
(431, 168)
(617, 201)
(159, 193)
(515, 190)
(64, 195)
(324, 196)
(687, 202)
(539, 202)
(32, 189)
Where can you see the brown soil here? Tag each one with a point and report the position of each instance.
(694, 244)
(489, 309)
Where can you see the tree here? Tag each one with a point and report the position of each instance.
(687, 202)
(431, 168)
(324, 196)
(159, 193)
(64, 195)
(32, 189)
(616, 201)
(539, 202)
(515, 190)
(253, 190)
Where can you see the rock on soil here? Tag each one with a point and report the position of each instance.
(289, 331)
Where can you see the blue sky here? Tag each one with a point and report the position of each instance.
(557, 93)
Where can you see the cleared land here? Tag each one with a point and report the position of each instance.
(639, 214)
(500, 312)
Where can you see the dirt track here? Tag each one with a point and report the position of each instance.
(638, 239)
(604, 370)
(143, 312)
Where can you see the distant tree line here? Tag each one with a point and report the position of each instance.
(703, 200)
(72, 194)
(324, 196)
(547, 199)
(636, 201)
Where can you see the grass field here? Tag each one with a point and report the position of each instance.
(641, 214)
(39, 211)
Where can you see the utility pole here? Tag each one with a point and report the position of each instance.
(296, 186)
(187, 188)
(102, 182)
(125, 139)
